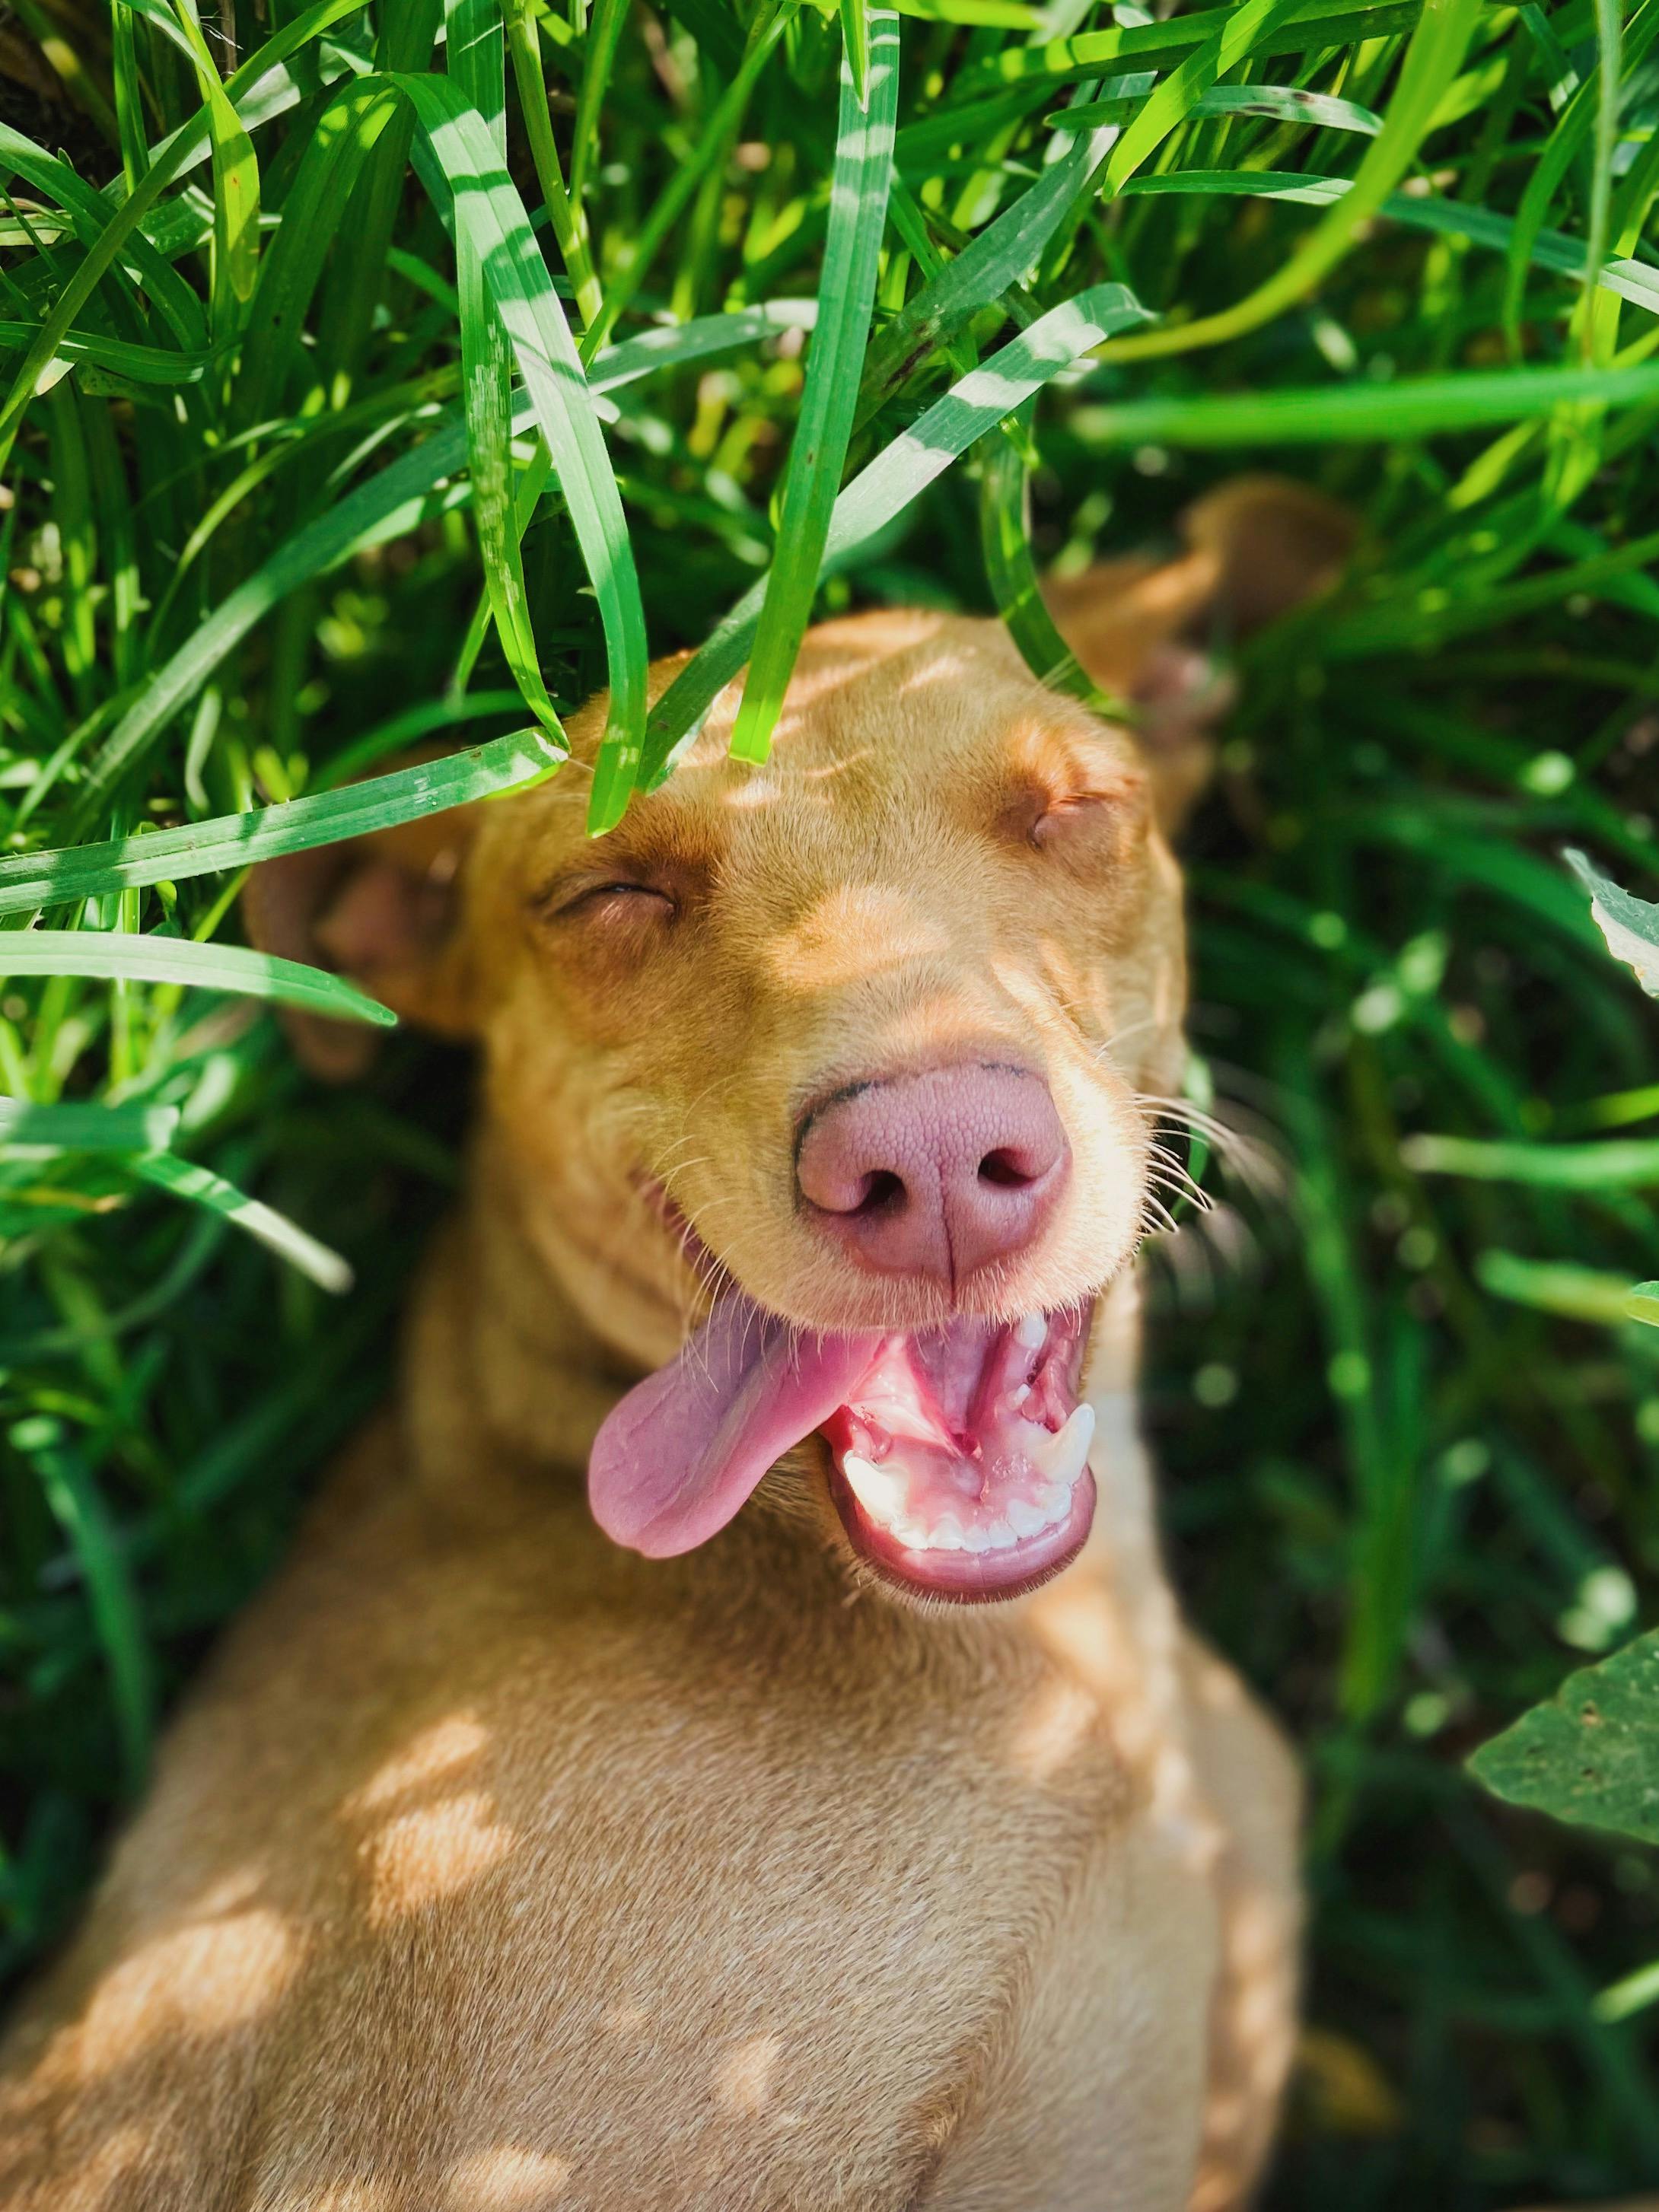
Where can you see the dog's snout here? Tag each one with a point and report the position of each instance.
(935, 1175)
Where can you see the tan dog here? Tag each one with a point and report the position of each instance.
(499, 1865)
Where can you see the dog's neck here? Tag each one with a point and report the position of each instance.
(502, 1374)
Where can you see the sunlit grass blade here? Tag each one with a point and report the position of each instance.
(1171, 101)
(1338, 413)
(1578, 119)
(858, 217)
(996, 257)
(79, 1129)
(415, 489)
(487, 204)
(1432, 58)
(1280, 103)
(30, 881)
(476, 64)
(176, 960)
(1011, 571)
(124, 223)
(1636, 281)
(235, 184)
(1619, 1163)
(899, 475)
(855, 39)
(1161, 45)
(199, 1185)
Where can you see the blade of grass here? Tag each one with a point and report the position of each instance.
(123, 224)
(888, 484)
(86, 1129)
(1432, 58)
(488, 207)
(30, 881)
(858, 217)
(177, 960)
(201, 1186)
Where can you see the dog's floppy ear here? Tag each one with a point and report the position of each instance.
(382, 909)
(1256, 548)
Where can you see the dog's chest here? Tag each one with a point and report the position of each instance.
(704, 1935)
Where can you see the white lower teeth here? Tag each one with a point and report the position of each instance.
(884, 1492)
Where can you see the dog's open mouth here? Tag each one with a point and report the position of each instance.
(960, 1455)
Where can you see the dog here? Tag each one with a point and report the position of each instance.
(824, 1806)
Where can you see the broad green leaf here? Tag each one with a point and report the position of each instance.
(858, 216)
(1629, 924)
(86, 1129)
(178, 960)
(1591, 1754)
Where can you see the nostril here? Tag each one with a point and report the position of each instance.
(884, 1193)
(1005, 1170)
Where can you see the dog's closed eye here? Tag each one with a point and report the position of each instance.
(1079, 825)
(619, 904)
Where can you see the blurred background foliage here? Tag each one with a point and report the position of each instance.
(1411, 1435)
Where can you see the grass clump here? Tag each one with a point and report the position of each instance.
(376, 374)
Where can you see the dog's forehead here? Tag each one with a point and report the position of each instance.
(895, 724)
(888, 716)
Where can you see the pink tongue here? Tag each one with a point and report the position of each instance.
(684, 1448)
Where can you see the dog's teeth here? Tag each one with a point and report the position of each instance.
(1025, 1520)
(1000, 1536)
(976, 1540)
(1061, 1457)
(1030, 1331)
(1055, 1500)
(879, 1490)
(947, 1535)
(1022, 1397)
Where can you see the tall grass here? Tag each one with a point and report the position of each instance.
(370, 375)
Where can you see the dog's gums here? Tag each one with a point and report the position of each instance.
(959, 1453)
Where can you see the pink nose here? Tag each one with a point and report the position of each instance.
(935, 1175)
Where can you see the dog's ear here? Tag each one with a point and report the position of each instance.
(383, 909)
(1256, 548)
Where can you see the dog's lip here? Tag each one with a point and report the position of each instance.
(965, 1577)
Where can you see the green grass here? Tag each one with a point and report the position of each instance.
(262, 333)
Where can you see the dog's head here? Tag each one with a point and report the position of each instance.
(827, 1087)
